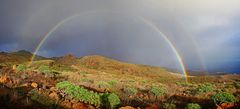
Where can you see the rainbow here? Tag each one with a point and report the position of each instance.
(147, 22)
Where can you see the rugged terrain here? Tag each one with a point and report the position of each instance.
(59, 82)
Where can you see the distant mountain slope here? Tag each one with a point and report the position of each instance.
(113, 66)
(18, 57)
(95, 63)
(66, 60)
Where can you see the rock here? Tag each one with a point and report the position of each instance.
(14, 67)
(90, 107)
(34, 85)
(152, 106)
(53, 89)
(127, 107)
(54, 95)
(4, 79)
(24, 76)
(44, 86)
(78, 106)
(66, 104)
(227, 105)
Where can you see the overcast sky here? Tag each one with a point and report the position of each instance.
(206, 33)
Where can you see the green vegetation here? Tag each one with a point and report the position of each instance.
(184, 84)
(223, 97)
(21, 68)
(86, 96)
(237, 84)
(64, 68)
(44, 69)
(40, 98)
(158, 90)
(130, 90)
(83, 73)
(111, 100)
(193, 106)
(169, 106)
(103, 85)
(80, 93)
(112, 82)
(203, 88)
(86, 80)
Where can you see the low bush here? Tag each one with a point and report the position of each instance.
(103, 85)
(112, 82)
(97, 99)
(80, 93)
(184, 84)
(44, 69)
(203, 88)
(193, 106)
(158, 90)
(237, 84)
(110, 100)
(169, 106)
(223, 97)
(35, 95)
(21, 68)
(130, 90)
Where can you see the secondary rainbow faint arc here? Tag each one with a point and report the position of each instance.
(149, 23)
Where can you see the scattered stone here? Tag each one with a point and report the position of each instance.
(152, 106)
(23, 76)
(66, 104)
(78, 106)
(24, 85)
(34, 85)
(44, 86)
(14, 67)
(90, 107)
(53, 89)
(127, 107)
(227, 105)
(54, 95)
(4, 79)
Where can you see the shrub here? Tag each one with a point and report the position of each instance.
(113, 100)
(86, 80)
(223, 97)
(44, 69)
(169, 106)
(112, 82)
(110, 100)
(21, 68)
(193, 106)
(205, 88)
(40, 98)
(130, 90)
(237, 84)
(184, 84)
(103, 84)
(83, 73)
(158, 90)
(80, 93)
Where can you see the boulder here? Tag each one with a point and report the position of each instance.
(34, 85)
(127, 107)
(78, 106)
(54, 95)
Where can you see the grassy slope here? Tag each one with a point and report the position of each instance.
(19, 57)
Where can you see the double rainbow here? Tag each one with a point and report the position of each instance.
(147, 22)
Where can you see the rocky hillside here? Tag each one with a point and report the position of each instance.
(113, 66)
(18, 57)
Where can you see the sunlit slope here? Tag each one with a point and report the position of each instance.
(18, 57)
(108, 65)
